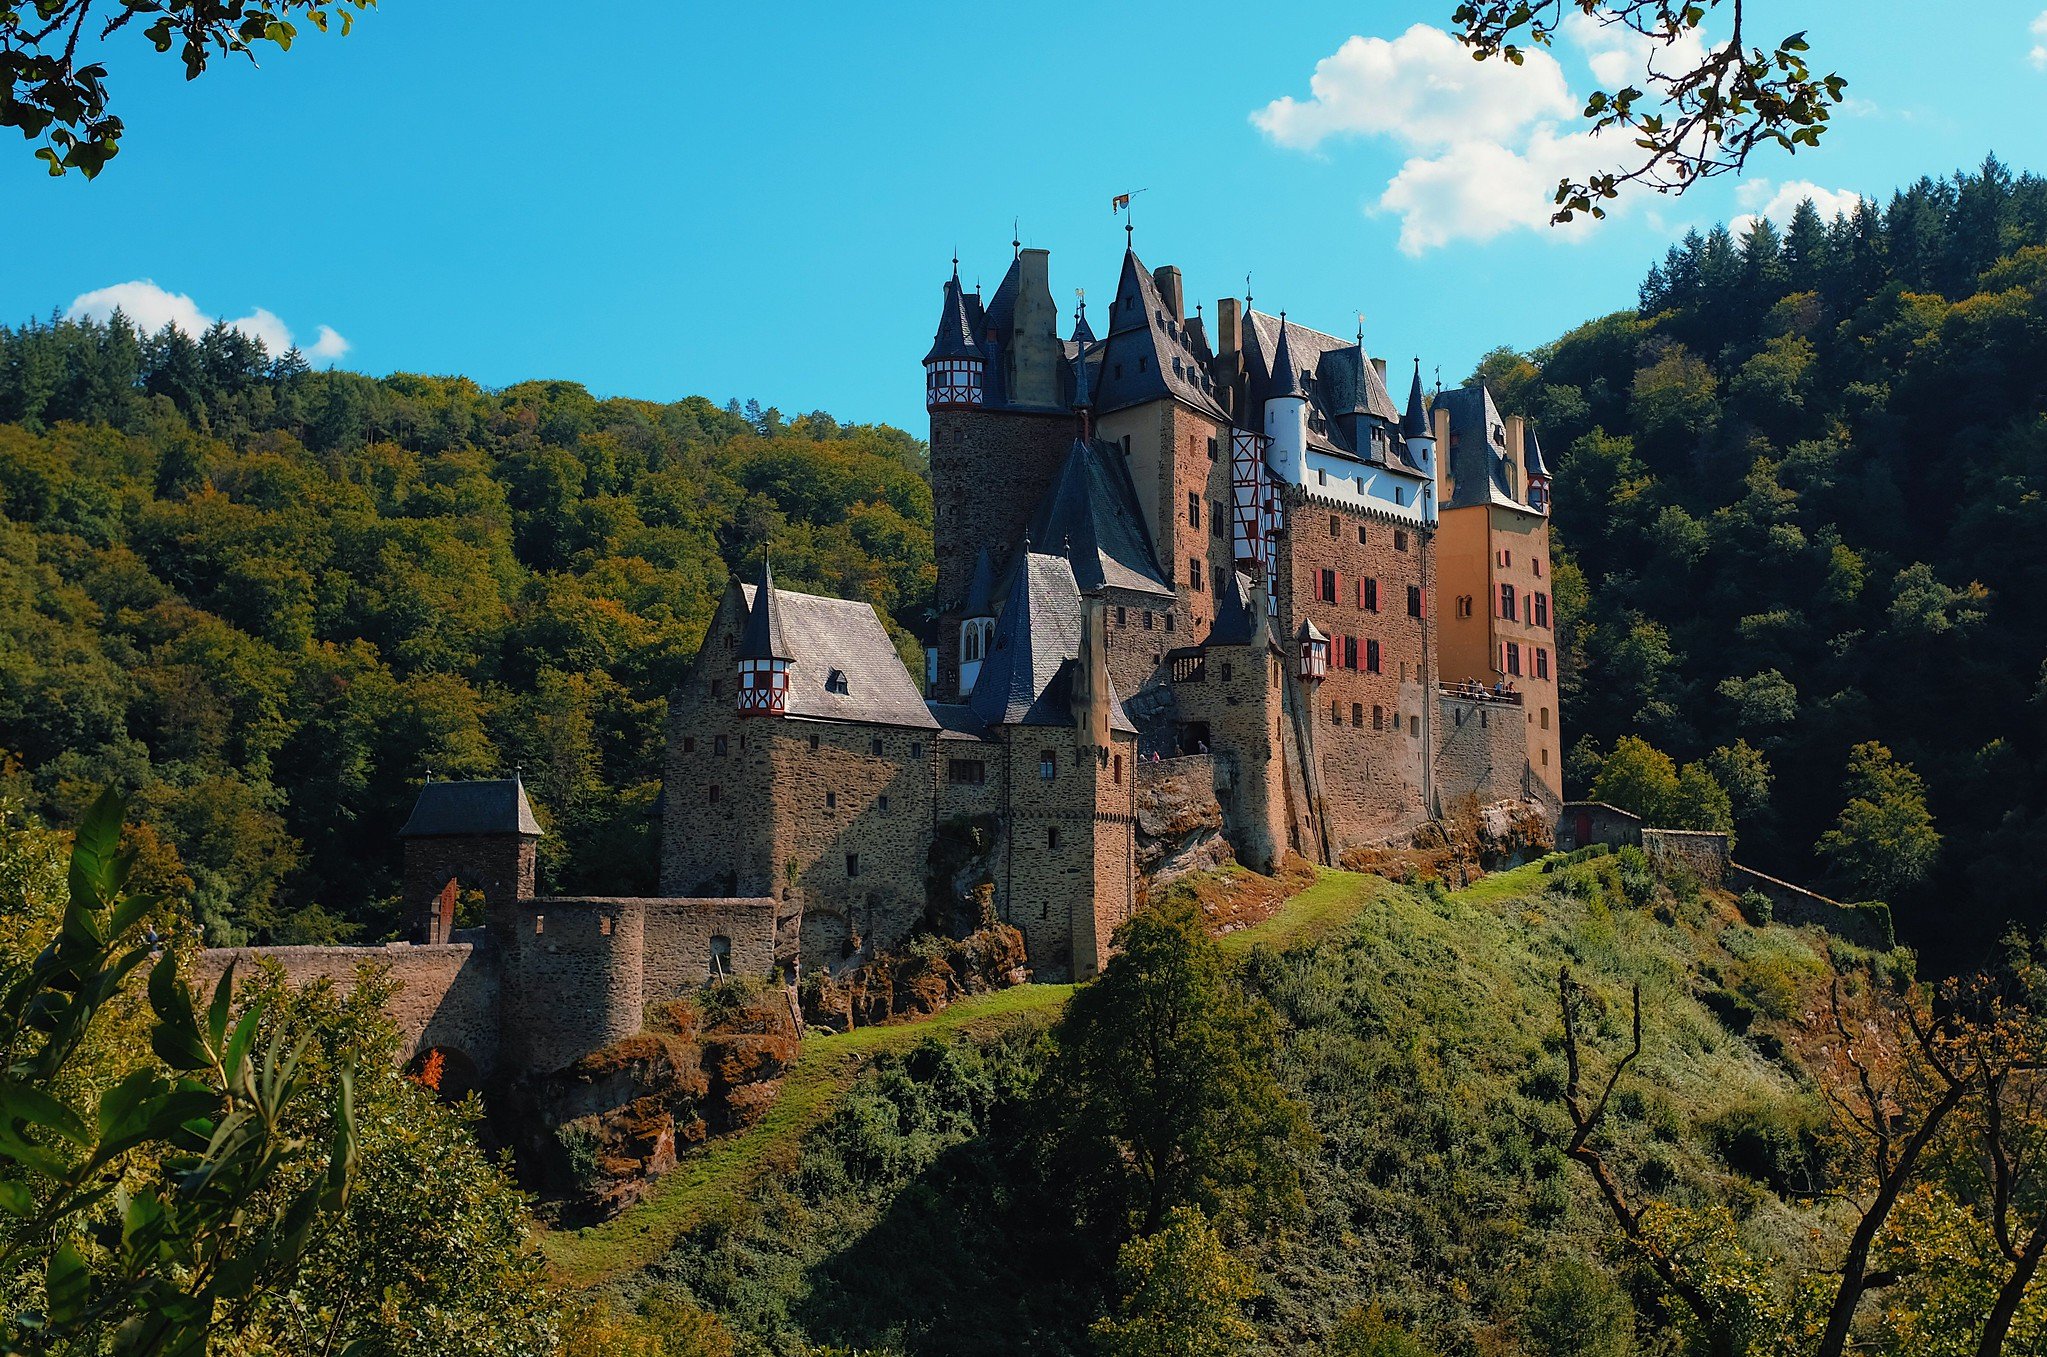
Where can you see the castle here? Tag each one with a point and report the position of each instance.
(1160, 552)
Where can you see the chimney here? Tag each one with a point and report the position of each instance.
(1517, 474)
(1034, 344)
(1168, 279)
(1446, 484)
(1196, 332)
(1229, 330)
(1380, 364)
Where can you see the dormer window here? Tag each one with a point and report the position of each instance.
(835, 682)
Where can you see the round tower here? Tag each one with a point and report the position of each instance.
(763, 654)
(1415, 429)
(1286, 412)
(955, 370)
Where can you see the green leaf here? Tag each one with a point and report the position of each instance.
(217, 1012)
(23, 1102)
(15, 1198)
(68, 1284)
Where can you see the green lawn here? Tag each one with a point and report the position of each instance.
(719, 1174)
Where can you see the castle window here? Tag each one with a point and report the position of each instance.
(1545, 718)
(1507, 601)
(1371, 657)
(1220, 582)
(1361, 485)
(1361, 534)
(1414, 600)
(1117, 763)
(966, 772)
(1505, 557)
(539, 924)
(874, 746)
(1350, 652)
(852, 864)
(1513, 659)
(1147, 619)
(689, 744)
(835, 682)
(881, 803)
(1542, 610)
(1378, 718)
(1211, 449)
(1545, 758)
(1399, 540)
(1464, 605)
(604, 925)
(813, 744)
(721, 956)
(1325, 585)
(916, 749)
(1226, 671)
(1535, 564)
(1368, 595)
(718, 746)
(1541, 663)
(1357, 713)
(715, 686)
(831, 800)
(1400, 494)
(1414, 726)
(1169, 622)
(1335, 713)
(1215, 520)
(1051, 836)
(1321, 476)
(1335, 525)
(1194, 574)
(1193, 509)
(711, 793)
(1048, 766)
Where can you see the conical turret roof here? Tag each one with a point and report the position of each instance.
(763, 637)
(1083, 333)
(1236, 614)
(955, 337)
(1415, 423)
(1531, 455)
(1286, 378)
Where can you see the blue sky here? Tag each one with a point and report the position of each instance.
(761, 200)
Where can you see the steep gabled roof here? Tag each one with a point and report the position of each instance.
(1477, 451)
(1148, 355)
(1415, 423)
(458, 809)
(1347, 392)
(1090, 516)
(1236, 614)
(1531, 454)
(1027, 678)
(956, 337)
(827, 636)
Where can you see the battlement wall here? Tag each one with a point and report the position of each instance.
(447, 993)
(1481, 749)
(571, 977)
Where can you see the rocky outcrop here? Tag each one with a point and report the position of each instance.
(1468, 841)
(594, 1136)
(1180, 825)
(920, 980)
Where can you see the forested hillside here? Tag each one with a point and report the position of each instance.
(1803, 491)
(270, 600)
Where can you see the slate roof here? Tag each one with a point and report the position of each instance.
(1478, 461)
(1090, 516)
(1083, 333)
(1285, 377)
(957, 335)
(763, 637)
(1345, 390)
(1033, 660)
(1236, 614)
(1531, 453)
(455, 809)
(824, 635)
(956, 721)
(1415, 423)
(1148, 355)
(981, 589)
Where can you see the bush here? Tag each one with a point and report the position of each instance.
(1368, 1333)
(1575, 1310)
(1637, 876)
(1756, 908)
(1776, 1143)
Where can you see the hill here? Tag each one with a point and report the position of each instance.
(270, 601)
(1421, 1030)
(1800, 487)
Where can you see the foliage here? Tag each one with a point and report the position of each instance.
(1885, 839)
(269, 601)
(52, 95)
(1368, 1333)
(1692, 121)
(1183, 1294)
(1799, 480)
(1164, 1092)
(168, 1204)
(1639, 778)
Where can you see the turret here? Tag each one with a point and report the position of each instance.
(475, 836)
(1083, 333)
(1314, 652)
(1286, 413)
(1537, 471)
(1415, 426)
(955, 371)
(763, 654)
(977, 622)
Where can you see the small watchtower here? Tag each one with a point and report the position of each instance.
(955, 369)
(479, 835)
(764, 654)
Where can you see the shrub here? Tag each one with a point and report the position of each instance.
(1575, 1310)
(1368, 1333)
(1775, 1143)
(1756, 908)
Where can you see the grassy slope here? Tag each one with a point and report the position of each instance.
(720, 1174)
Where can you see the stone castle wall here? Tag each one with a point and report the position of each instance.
(571, 977)
(447, 993)
(1481, 750)
(715, 841)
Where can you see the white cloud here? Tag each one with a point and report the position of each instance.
(1422, 89)
(1763, 198)
(1619, 56)
(2038, 56)
(150, 308)
(1481, 189)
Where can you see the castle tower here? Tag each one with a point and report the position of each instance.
(1416, 428)
(1286, 413)
(763, 655)
(477, 836)
(1535, 471)
(955, 372)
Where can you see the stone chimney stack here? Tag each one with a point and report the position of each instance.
(1168, 279)
(1035, 344)
(1517, 473)
(1229, 330)
(1446, 483)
